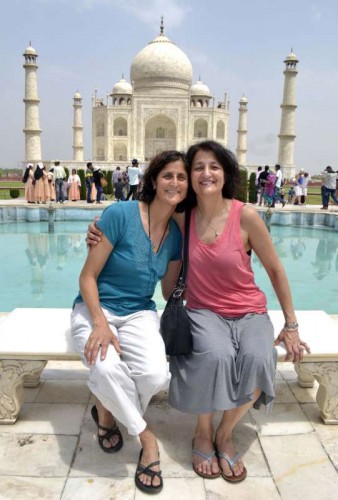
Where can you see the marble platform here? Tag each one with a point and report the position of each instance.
(51, 452)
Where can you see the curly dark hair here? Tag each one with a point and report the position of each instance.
(147, 191)
(228, 162)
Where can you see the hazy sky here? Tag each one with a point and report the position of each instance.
(236, 46)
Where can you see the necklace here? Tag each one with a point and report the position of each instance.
(212, 227)
(156, 248)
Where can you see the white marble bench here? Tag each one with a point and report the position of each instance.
(31, 337)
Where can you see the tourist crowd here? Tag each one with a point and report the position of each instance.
(42, 186)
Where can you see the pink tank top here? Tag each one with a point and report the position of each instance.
(220, 277)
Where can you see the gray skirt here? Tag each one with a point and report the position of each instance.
(231, 358)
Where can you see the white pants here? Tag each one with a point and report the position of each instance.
(125, 384)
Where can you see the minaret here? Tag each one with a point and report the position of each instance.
(287, 127)
(242, 132)
(77, 128)
(32, 129)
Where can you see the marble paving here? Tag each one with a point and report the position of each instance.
(51, 452)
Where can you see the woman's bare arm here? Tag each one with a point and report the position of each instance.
(101, 336)
(258, 238)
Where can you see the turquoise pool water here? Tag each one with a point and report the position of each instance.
(38, 269)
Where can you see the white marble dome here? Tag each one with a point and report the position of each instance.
(122, 87)
(161, 64)
(77, 95)
(30, 51)
(200, 89)
(292, 57)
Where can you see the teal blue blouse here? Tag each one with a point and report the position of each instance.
(127, 282)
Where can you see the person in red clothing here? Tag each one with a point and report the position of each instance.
(232, 366)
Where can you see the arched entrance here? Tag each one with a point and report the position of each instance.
(160, 134)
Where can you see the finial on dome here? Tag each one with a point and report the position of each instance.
(122, 76)
(162, 26)
(199, 77)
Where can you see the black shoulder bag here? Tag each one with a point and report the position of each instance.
(175, 324)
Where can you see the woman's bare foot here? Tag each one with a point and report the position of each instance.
(225, 445)
(107, 420)
(206, 465)
(150, 454)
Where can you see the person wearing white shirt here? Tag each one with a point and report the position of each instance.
(134, 178)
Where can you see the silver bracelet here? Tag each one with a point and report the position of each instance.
(291, 326)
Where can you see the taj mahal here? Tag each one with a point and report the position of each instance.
(160, 109)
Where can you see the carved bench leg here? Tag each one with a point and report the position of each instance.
(32, 381)
(12, 374)
(305, 379)
(326, 373)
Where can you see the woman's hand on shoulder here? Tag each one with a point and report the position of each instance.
(93, 234)
(294, 346)
(99, 341)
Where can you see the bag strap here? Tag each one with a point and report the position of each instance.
(186, 246)
(181, 280)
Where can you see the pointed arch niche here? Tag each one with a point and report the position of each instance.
(160, 134)
(120, 126)
(220, 130)
(120, 151)
(200, 128)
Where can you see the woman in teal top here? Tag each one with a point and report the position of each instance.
(114, 321)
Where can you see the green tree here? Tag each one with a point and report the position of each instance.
(83, 193)
(252, 188)
(242, 191)
(110, 184)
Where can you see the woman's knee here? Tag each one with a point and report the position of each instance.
(157, 376)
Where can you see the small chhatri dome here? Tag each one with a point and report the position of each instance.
(291, 57)
(122, 87)
(77, 95)
(161, 64)
(30, 51)
(243, 99)
(199, 88)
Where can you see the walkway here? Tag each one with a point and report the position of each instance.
(51, 451)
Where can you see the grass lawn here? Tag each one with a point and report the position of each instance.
(314, 196)
(5, 186)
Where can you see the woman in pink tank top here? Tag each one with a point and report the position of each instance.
(232, 366)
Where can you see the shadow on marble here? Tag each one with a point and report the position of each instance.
(36, 455)
(91, 460)
(65, 370)
(47, 418)
(57, 391)
(304, 394)
(283, 392)
(283, 419)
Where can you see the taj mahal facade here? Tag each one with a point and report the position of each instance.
(160, 109)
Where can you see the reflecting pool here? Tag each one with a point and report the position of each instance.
(38, 269)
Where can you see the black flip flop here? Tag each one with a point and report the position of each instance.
(110, 432)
